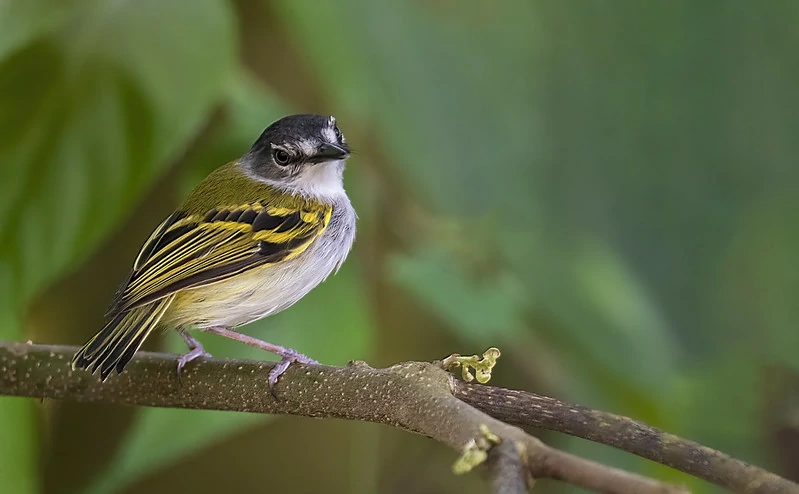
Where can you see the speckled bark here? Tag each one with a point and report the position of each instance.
(415, 396)
(528, 409)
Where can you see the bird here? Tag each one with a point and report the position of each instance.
(253, 238)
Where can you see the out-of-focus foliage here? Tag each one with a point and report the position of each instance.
(605, 190)
(95, 99)
(94, 104)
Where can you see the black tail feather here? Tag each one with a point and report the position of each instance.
(114, 346)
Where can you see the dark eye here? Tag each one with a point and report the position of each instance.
(338, 133)
(281, 157)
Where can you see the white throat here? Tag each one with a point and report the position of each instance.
(324, 181)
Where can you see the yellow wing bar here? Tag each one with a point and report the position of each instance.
(187, 251)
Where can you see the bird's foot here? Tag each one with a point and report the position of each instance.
(288, 356)
(196, 350)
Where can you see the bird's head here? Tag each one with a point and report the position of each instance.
(302, 154)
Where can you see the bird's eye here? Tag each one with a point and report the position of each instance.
(338, 133)
(281, 157)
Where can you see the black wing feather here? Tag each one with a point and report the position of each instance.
(190, 251)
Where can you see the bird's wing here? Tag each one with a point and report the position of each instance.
(188, 251)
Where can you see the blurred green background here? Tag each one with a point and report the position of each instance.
(607, 191)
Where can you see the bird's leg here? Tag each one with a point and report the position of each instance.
(287, 354)
(195, 350)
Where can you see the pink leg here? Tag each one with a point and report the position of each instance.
(195, 350)
(287, 354)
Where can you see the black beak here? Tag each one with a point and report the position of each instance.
(330, 152)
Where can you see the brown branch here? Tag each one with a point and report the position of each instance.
(414, 396)
(509, 474)
(527, 409)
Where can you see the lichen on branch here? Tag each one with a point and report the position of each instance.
(482, 366)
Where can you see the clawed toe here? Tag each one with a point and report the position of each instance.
(289, 356)
(189, 356)
(276, 372)
(294, 356)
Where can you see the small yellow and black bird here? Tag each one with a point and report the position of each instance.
(251, 240)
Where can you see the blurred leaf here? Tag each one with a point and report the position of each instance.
(18, 446)
(616, 316)
(248, 108)
(758, 283)
(451, 95)
(90, 111)
(606, 327)
(481, 309)
(90, 114)
(9, 322)
(725, 417)
(23, 22)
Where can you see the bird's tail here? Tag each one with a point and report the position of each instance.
(114, 346)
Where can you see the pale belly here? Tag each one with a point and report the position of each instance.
(265, 290)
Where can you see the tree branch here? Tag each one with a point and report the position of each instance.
(509, 474)
(527, 409)
(415, 396)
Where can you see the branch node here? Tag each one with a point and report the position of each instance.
(476, 451)
(358, 363)
(482, 365)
